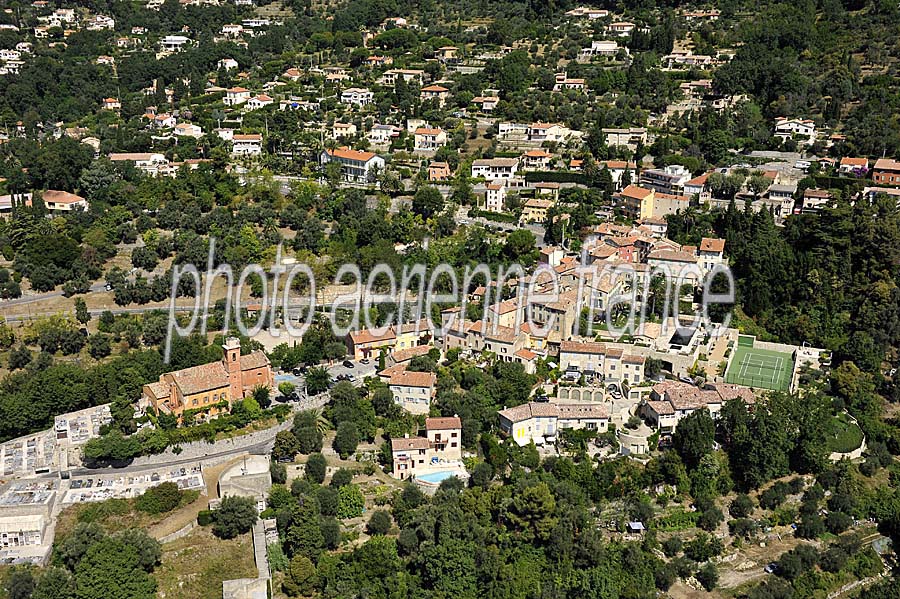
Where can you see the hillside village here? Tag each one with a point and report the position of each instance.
(668, 366)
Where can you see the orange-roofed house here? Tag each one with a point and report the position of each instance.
(208, 390)
(235, 96)
(366, 344)
(637, 202)
(853, 166)
(246, 144)
(356, 166)
(413, 391)
(536, 160)
(439, 171)
(697, 187)
(711, 253)
(260, 101)
(435, 92)
(63, 201)
(429, 139)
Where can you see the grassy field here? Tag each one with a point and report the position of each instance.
(116, 514)
(194, 566)
(843, 435)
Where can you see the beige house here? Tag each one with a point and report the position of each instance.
(428, 139)
(435, 92)
(441, 444)
(413, 391)
(670, 401)
(540, 422)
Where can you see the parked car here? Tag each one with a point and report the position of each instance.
(348, 364)
(364, 361)
(541, 398)
(771, 568)
(685, 379)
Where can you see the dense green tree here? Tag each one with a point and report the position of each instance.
(315, 468)
(694, 437)
(235, 516)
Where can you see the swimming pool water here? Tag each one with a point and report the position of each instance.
(436, 477)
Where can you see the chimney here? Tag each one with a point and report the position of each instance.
(406, 435)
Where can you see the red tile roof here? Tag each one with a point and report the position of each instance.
(443, 424)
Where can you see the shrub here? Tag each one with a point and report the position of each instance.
(837, 522)
(672, 546)
(160, 499)
(205, 517)
(350, 502)
(741, 506)
(379, 523)
(708, 576)
(341, 478)
(331, 533)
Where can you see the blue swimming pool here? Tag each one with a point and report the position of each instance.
(436, 477)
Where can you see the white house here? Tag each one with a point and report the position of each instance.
(564, 82)
(493, 169)
(356, 166)
(148, 162)
(383, 134)
(711, 253)
(111, 104)
(246, 144)
(63, 201)
(429, 140)
(260, 101)
(173, 43)
(541, 132)
(228, 64)
(232, 30)
(621, 28)
(486, 103)
(235, 96)
(494, 196)
(188, 130)
(804, 130)
(357, 96)
(602, 48)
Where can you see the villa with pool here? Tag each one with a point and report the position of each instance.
(432, 458)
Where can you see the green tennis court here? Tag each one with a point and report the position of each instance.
(760, 368)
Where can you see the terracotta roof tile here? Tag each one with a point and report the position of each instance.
(443, 424)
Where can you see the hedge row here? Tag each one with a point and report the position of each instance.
(494, 216)
(558, 177)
